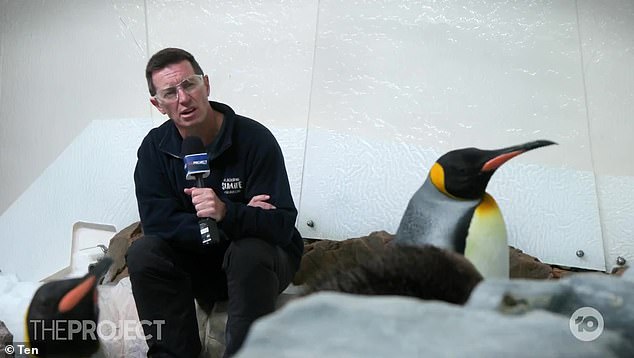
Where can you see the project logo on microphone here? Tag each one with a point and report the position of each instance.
(586, 324)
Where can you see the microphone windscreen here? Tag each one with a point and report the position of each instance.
(195, 158)
(192, 145)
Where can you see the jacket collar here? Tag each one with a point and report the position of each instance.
(172, 141)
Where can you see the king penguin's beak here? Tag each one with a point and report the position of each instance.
(500, 156)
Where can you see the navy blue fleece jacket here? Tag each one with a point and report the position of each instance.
(245, 160)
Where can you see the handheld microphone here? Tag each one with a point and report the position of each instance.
(197, 168)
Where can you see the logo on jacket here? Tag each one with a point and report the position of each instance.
(232, 185)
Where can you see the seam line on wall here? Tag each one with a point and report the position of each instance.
(589, 127)
(147, 48)
(310, 102)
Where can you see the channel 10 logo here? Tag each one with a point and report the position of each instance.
(586, 324)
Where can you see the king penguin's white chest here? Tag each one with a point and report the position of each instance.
(486, 243)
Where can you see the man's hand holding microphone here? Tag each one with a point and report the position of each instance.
(209, 208)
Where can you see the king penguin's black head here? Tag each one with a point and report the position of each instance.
(465, 173)
(63, 315)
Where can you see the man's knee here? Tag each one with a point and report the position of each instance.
(250, 253)
(142, 253)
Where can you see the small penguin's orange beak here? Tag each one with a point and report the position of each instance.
(74, 296)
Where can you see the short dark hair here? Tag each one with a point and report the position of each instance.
(168, 56)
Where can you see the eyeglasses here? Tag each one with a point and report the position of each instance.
(189, 85)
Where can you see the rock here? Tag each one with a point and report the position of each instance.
(390, 326)
(6, 338)
(516, 296)
(212, 322)
(117, 249)
(610, 295)
(559, 272)
(526, 266)
(625, 272)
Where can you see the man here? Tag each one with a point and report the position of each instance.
(247, 193)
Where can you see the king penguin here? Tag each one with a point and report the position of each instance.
(453, 211)
(61, 320)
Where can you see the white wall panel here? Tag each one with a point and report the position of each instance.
(444, 75)
(616, 195)
(550, 213)
(607, 37)
(453, 73)
(133, 28)
(64, 64)
(357, 185)
(91, 181)
(258, 54)
(292, 141)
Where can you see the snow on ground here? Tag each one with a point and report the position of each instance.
(15, 297)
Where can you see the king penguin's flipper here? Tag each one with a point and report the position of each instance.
(63, 315)
(452, 210)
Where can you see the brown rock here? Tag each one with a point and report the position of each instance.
(525, 266)
(559, 272)
(117, 249)
(619, 271)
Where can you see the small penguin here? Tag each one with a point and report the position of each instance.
(404, 271)
(62, 317)
(453, 211)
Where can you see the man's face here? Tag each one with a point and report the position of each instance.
(190, 109)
